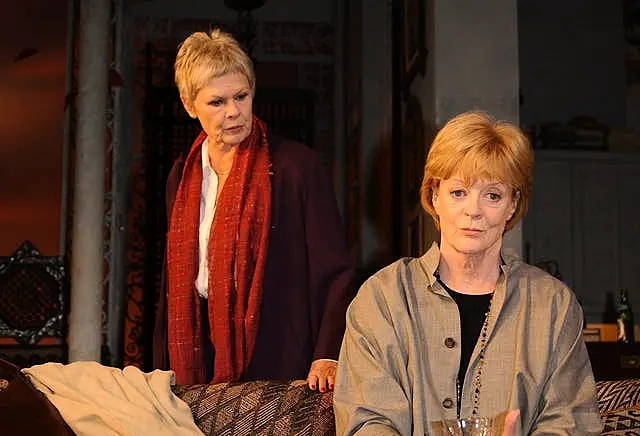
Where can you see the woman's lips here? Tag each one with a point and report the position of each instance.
(471, 232)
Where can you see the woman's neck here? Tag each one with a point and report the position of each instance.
(470, 273)
(221, 156)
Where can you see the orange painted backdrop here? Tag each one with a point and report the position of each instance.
(31, 123)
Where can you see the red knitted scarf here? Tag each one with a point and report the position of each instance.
(236, 255)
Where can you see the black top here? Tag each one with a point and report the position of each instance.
(473, 309)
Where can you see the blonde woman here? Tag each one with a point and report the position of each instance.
(257, 272)
(467, 330)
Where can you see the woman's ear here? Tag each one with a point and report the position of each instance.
(188, 106)
(514, 204)
(434, 198)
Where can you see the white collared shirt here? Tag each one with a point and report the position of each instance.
(208, 199)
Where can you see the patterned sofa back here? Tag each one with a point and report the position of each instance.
(290, 408)
(619, 403)
(260, 407)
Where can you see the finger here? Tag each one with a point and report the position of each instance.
(510, 422)
(331, 379)
(322, 383)
(312, 380)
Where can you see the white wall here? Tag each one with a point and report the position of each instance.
(273, 10)
(476, 58)
(572, 60)
(475, 64)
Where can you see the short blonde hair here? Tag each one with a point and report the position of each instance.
(476, 146)
(202, 57)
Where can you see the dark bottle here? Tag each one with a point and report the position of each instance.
(625, 319)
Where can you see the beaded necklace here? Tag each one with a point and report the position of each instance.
(477, 382)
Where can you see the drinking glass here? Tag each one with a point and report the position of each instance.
(470, 427)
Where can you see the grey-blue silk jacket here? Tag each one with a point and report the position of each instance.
(396, 374)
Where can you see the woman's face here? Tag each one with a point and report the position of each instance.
(473, 218)
(224, 109)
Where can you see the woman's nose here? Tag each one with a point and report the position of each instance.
(232, 109)
(472, 206)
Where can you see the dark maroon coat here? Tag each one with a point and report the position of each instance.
(308, 280)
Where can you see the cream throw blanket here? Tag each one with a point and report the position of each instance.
(100, 400)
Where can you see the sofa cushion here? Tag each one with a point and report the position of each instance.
(260, 407)
(622, 422)
(618, 395)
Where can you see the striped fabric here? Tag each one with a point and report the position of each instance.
(618, 395)
(260, 408)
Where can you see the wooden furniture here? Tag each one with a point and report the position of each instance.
(33, 307)
(585, 216)
(614, 361)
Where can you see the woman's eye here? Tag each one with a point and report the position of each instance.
(242, 96)
(457, 193)
(216, 103)
(493, 196)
